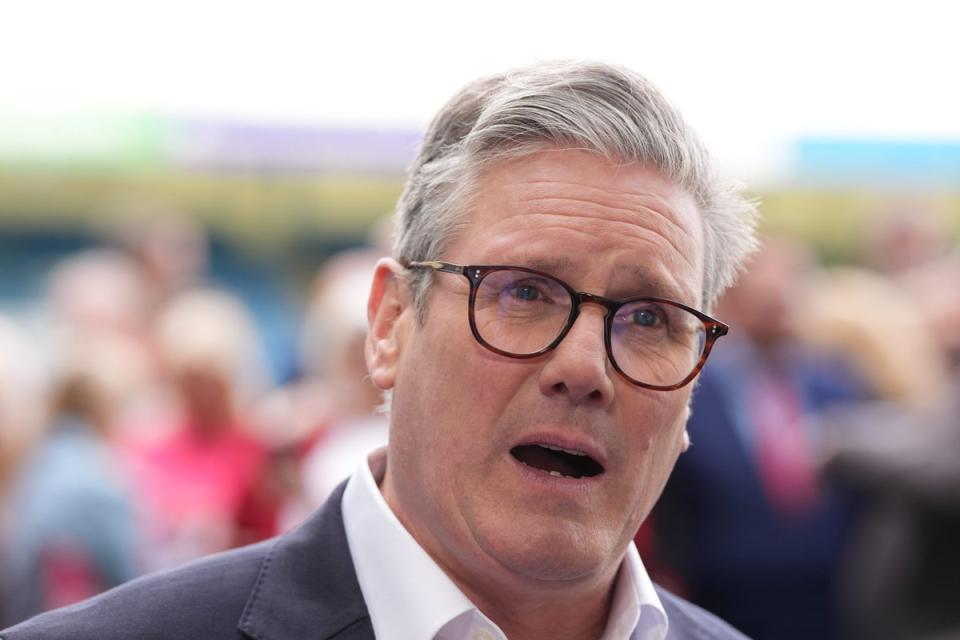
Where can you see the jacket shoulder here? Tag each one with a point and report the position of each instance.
(688, 621)
(203, 599)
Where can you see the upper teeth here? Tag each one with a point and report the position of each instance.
(570, 451)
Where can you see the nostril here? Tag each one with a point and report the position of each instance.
(594, 396)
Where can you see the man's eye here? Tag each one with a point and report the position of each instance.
(645, 318)
(526, 293)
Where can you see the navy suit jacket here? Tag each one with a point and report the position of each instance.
(299, 586)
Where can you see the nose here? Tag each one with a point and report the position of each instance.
(578, 367)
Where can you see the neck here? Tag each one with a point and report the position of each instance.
(523, 606)
(528, 613)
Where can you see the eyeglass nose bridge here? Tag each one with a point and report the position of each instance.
(580, 298)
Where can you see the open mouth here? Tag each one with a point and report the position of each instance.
(557, 461)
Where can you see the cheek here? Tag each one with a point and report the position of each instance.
(657, 418)
(450, 392)
(471, 384)
(655, 441)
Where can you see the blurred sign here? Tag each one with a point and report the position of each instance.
(135, 142)
(66, 141)
(845, 161)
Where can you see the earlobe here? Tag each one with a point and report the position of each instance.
(389, 299)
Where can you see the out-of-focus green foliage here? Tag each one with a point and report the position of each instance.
(271, 210)
(838, 222)
(258, 210)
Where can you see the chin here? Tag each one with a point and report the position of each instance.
(557, 551)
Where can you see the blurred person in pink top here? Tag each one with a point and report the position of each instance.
(197, 466)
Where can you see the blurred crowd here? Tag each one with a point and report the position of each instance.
(821, 496)
(139, 429)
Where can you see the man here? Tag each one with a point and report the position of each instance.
(533, 422)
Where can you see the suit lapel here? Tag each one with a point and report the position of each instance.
(307, 587)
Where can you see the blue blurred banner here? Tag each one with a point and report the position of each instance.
(847, 160)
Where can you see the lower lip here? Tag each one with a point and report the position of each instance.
(547, 482)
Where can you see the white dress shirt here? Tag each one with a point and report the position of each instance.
(410, 598)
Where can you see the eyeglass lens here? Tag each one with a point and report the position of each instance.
(522, 313)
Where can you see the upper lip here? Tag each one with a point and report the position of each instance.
(565, 441)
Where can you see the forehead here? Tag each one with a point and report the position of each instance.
(590, 221)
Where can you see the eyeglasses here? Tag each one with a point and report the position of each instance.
(523, 313)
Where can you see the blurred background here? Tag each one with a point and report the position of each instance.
(192, 198)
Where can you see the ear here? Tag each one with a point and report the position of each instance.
(388, 311)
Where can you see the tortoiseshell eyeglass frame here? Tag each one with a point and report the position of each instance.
(475, 274)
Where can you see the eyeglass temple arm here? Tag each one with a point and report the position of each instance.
(439, 266)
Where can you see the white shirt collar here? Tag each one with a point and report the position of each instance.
(410, 598)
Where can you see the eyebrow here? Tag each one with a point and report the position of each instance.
(640, 282)
(551, 265)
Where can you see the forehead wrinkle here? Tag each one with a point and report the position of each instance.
(660, 283)
(549, 190)
(641, 278)
(554, 265)
(627, 224)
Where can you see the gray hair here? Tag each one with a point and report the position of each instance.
(583, 105)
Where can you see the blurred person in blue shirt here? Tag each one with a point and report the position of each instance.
(20, 398)
(73, 526)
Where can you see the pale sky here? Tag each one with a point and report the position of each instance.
(751, 76)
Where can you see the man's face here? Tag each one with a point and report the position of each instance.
(459, 411)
